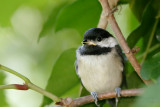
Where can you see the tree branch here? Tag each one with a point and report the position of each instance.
(68, 102)
(111, 19)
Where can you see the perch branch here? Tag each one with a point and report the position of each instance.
(68, 102)
(111, 19)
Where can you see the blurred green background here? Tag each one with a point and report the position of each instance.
(38, 39)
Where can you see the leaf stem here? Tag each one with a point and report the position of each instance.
(15, 73)
(10, 86)
(150, 40)
(44, 92)
(28, 83)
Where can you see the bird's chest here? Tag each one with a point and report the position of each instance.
(100, 73)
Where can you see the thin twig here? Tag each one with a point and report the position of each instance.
(10, 86)
(121, 39)
(68, 102)
(14, 73)
(28, 85)
(43, 92)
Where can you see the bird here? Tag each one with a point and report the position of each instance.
(99, 63)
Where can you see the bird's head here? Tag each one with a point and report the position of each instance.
(97, 40)
(99, 37)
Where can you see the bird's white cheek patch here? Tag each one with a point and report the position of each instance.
(108, 42)
(112, 41)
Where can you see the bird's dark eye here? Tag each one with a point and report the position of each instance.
(99, 39)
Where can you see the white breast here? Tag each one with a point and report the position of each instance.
(100, 73)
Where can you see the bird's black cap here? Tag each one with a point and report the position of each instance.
(93, 33)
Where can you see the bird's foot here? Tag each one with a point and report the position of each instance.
(95, 96)
(118, 93)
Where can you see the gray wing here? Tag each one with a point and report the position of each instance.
(118, 49)
(76, 66)
(76, 62)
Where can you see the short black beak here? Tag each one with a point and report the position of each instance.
(84, 41)
(88, 42)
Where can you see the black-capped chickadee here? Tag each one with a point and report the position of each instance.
(99, 62)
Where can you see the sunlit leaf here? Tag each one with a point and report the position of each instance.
(151, 68)
(63, 77)
(80, 15)
(48, 25)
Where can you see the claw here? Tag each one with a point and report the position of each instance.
(95, 96)
(118, 92)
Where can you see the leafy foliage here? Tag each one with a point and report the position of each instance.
(48, 25)
(63, 77)
(143, 31)
(151, 67)
(138, 7)
(81, 15)
(145, 35)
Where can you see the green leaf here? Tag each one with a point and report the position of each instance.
(150, 97)
(63, 77)
(151, 67)
(80, 15)
(138, 6)
(3, 102)
(48, 25)
(144, 30)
